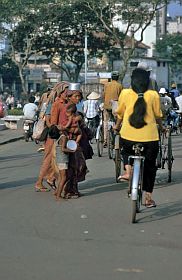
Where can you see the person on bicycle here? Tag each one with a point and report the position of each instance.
(91, 109)
(139, 111)
(166, 104)
(112, 91)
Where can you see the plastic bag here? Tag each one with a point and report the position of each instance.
(38, 129)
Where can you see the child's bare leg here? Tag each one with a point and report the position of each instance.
(61, 183)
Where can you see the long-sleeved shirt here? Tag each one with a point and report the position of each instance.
(58, 112)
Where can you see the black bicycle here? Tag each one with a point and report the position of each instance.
(165, 155)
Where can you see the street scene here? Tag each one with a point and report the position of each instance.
(90, 140)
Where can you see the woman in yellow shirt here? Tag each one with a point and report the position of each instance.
(138, 110)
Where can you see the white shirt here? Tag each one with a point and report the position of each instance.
(179, 102)
(30, 110)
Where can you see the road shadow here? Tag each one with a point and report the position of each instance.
(101, 185)
(161, 212)
(18, 184)
(13, 167)
(20, 156)
(162, 179)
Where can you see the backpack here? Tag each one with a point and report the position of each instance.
(2, 113)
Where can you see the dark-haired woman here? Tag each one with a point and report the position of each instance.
(139, 111)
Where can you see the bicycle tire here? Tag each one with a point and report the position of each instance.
(117, 161)
(169, 157)
(100, 143)
(110, 143)
(135, 196)
(133, 211)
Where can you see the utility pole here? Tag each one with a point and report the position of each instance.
(85, 56)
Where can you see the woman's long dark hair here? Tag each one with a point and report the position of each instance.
(139, 83)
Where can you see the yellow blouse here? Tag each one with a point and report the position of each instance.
(126, 103)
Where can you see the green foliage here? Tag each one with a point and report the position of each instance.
(170, 47)
(15, 112)
(8, 70)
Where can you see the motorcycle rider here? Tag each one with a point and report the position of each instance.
(30, 109)
(30, 114)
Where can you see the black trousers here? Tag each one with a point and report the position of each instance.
(150, 153)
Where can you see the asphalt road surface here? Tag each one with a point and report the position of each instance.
(90, 238)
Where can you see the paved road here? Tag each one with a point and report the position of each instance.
(89, 238)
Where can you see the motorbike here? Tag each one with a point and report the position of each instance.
(28, 129)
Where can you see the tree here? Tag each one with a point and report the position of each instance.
(19, 20)
(65, 38)
(135, 17)
(8, 70)
(170, 46)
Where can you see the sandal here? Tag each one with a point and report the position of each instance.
(71, 195)
(52, 184)
(41, 189)
(123, 178)
(150, 203)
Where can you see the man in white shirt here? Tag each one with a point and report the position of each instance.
(179, 102)
(30, 109)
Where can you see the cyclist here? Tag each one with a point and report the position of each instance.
(91, 108)
(152, 82)
(139, 111)
(166, 104)
(112, 91)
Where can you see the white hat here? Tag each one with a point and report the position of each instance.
(162, 90)
(74, 86)
(143, 65)
(93, 95)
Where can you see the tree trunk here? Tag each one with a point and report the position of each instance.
(23, 84)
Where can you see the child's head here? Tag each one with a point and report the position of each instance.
(54, 132)
(71, 109)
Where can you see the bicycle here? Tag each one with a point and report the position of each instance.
(100, 136)
(165, 154)
(117, 156)
(136, 180)
(111, 134)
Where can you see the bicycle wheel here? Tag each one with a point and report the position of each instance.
(110, 143)
(100, 142)
(117, 161)
(169, 157)
(135, 185)
(134, 211)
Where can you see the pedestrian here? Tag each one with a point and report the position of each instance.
(77, 165)
(112, 91)
(10, 101)
(47, 171)
(139, 111)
